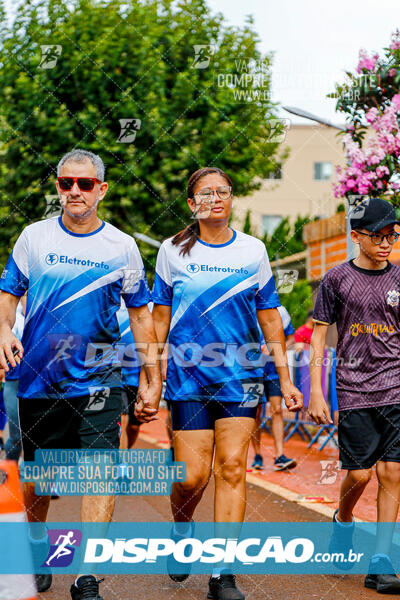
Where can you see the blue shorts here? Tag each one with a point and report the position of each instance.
(272, 388)
(189, 415)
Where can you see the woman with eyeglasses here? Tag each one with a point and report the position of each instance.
(212, 284)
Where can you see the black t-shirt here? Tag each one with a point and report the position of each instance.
(364, 304)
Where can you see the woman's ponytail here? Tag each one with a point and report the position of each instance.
(187, 237)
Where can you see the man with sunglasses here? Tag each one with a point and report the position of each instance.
(362, 297)
(75, 269)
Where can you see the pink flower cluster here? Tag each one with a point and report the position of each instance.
(370, 168)
(366, 62)
(374, 162)
(395, 45)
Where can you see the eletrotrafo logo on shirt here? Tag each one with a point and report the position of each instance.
(53, 259)
(195, 268)
(192, 268)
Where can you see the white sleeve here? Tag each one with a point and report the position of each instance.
(135, 289)
(285, 316)
(162, 290)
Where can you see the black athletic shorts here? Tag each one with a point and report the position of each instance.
(129, 393)
(73, 423)
(272, 388)
(367, 435)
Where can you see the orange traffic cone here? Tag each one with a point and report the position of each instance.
(13, 587)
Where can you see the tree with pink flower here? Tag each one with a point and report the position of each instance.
(370, 100)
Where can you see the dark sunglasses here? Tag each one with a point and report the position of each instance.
(85, 184)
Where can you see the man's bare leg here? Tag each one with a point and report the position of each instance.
(123, 441)
(277, 424)
(388, 474)
(36, 508)
(96, 509)
(256, 435)
(351, 489)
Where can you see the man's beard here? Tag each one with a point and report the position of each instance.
(82, 216)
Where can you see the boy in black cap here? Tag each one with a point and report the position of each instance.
(362, 297)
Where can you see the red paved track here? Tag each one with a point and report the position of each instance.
(262, 505)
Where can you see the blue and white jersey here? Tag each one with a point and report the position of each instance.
(128, 357)
(214, 292)
(75, 283)
(270, 371)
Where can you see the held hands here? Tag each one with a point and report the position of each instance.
(9, 344)
(318, 409)
(292, 396)
(147, 401)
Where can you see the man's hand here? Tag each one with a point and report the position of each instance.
(147, 401)
(8, 344)
(318, 409)
(292, 396)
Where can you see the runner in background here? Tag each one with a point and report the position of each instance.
(302, 335)
(130, 371)
(13, 445)
(211, 286)
(168, 423)
(273, 394)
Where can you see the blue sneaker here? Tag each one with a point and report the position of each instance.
(178, 571)
(283, 462)
(341, 543)
(40, 550)
(257, 462)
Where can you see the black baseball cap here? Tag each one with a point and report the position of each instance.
(373, 214)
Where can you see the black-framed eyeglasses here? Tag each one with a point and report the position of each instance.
(377, 238)
(224, 192)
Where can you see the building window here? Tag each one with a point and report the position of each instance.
(269, 223)
(276, 174)
(323, 171)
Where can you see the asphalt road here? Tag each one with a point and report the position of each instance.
(262, 506)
